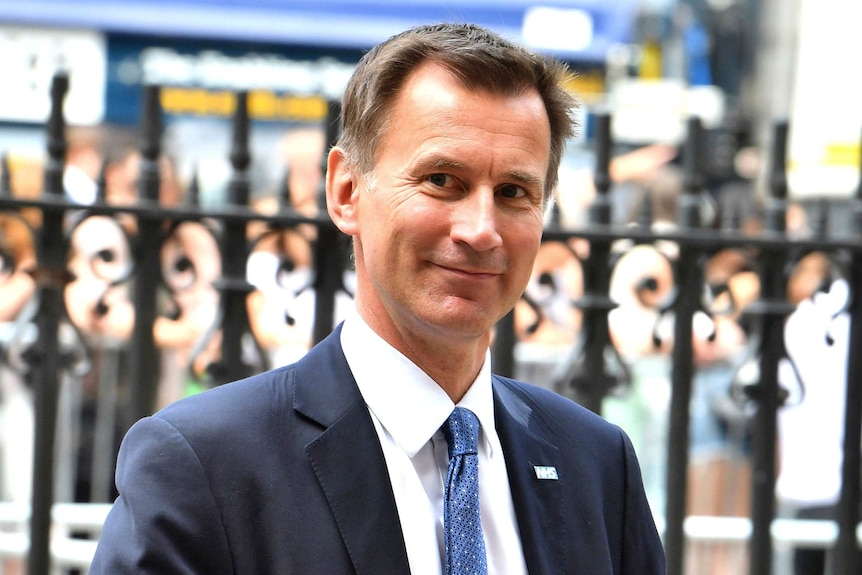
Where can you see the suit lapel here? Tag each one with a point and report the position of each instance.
(538, 501)
(350, 466)
(349, 462)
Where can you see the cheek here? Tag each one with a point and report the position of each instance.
(523, 249)
(420, 223)
(388, 236)
(523, 238)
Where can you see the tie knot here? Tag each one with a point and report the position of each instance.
(461, 431)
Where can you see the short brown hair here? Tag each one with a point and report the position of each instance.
(478, 58)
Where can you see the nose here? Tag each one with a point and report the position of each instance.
(475, 221)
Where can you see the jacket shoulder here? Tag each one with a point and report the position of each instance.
(552, 409)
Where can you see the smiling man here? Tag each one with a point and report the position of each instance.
(448, 220)
(391, 447)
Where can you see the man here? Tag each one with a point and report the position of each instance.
(337, 464)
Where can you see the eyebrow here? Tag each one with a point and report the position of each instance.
(444, 163)
(528, 179)
(521, 177)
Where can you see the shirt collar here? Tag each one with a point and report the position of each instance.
(405, 400)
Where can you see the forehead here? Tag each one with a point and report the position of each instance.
(434, 103)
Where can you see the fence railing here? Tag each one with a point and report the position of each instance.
(154, 274)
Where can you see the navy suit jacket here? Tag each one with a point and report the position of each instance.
(283, 473)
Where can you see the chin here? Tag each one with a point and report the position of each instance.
(461, 326)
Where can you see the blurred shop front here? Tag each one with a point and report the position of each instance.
(288, 87)
(291, 57)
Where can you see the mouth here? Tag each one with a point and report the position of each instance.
(469, 271)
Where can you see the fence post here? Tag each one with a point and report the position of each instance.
(773, 308)
(587, 375)
(45, 357)
(233, 285)
(847, 554)
(144, 358)
(503, 347)
(689, 280)
(5, 176)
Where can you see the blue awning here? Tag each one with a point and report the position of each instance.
(576, 30)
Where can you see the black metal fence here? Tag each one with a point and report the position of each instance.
(228, 346)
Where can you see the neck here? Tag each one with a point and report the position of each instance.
(453, 368)
(452, 362)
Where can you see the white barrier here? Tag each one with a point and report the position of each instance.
(87, 518)
(813, 533)
(67, 552)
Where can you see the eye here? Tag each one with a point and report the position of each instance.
(512, 191)
(439, 179)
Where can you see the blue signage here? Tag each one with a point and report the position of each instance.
(201, 78)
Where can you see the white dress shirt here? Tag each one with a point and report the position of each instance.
(408, 408)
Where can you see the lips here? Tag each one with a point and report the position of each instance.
(469, 270)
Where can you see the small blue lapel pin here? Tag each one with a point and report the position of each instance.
(546, 472)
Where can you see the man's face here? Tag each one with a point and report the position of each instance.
(450, 220)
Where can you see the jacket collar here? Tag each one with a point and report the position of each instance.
(355, 480)
(352, 475)
(537, 492)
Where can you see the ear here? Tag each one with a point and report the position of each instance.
(342, 193)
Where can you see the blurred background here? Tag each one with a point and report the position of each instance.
(737, 66)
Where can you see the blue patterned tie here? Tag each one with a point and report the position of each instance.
(462, 524)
